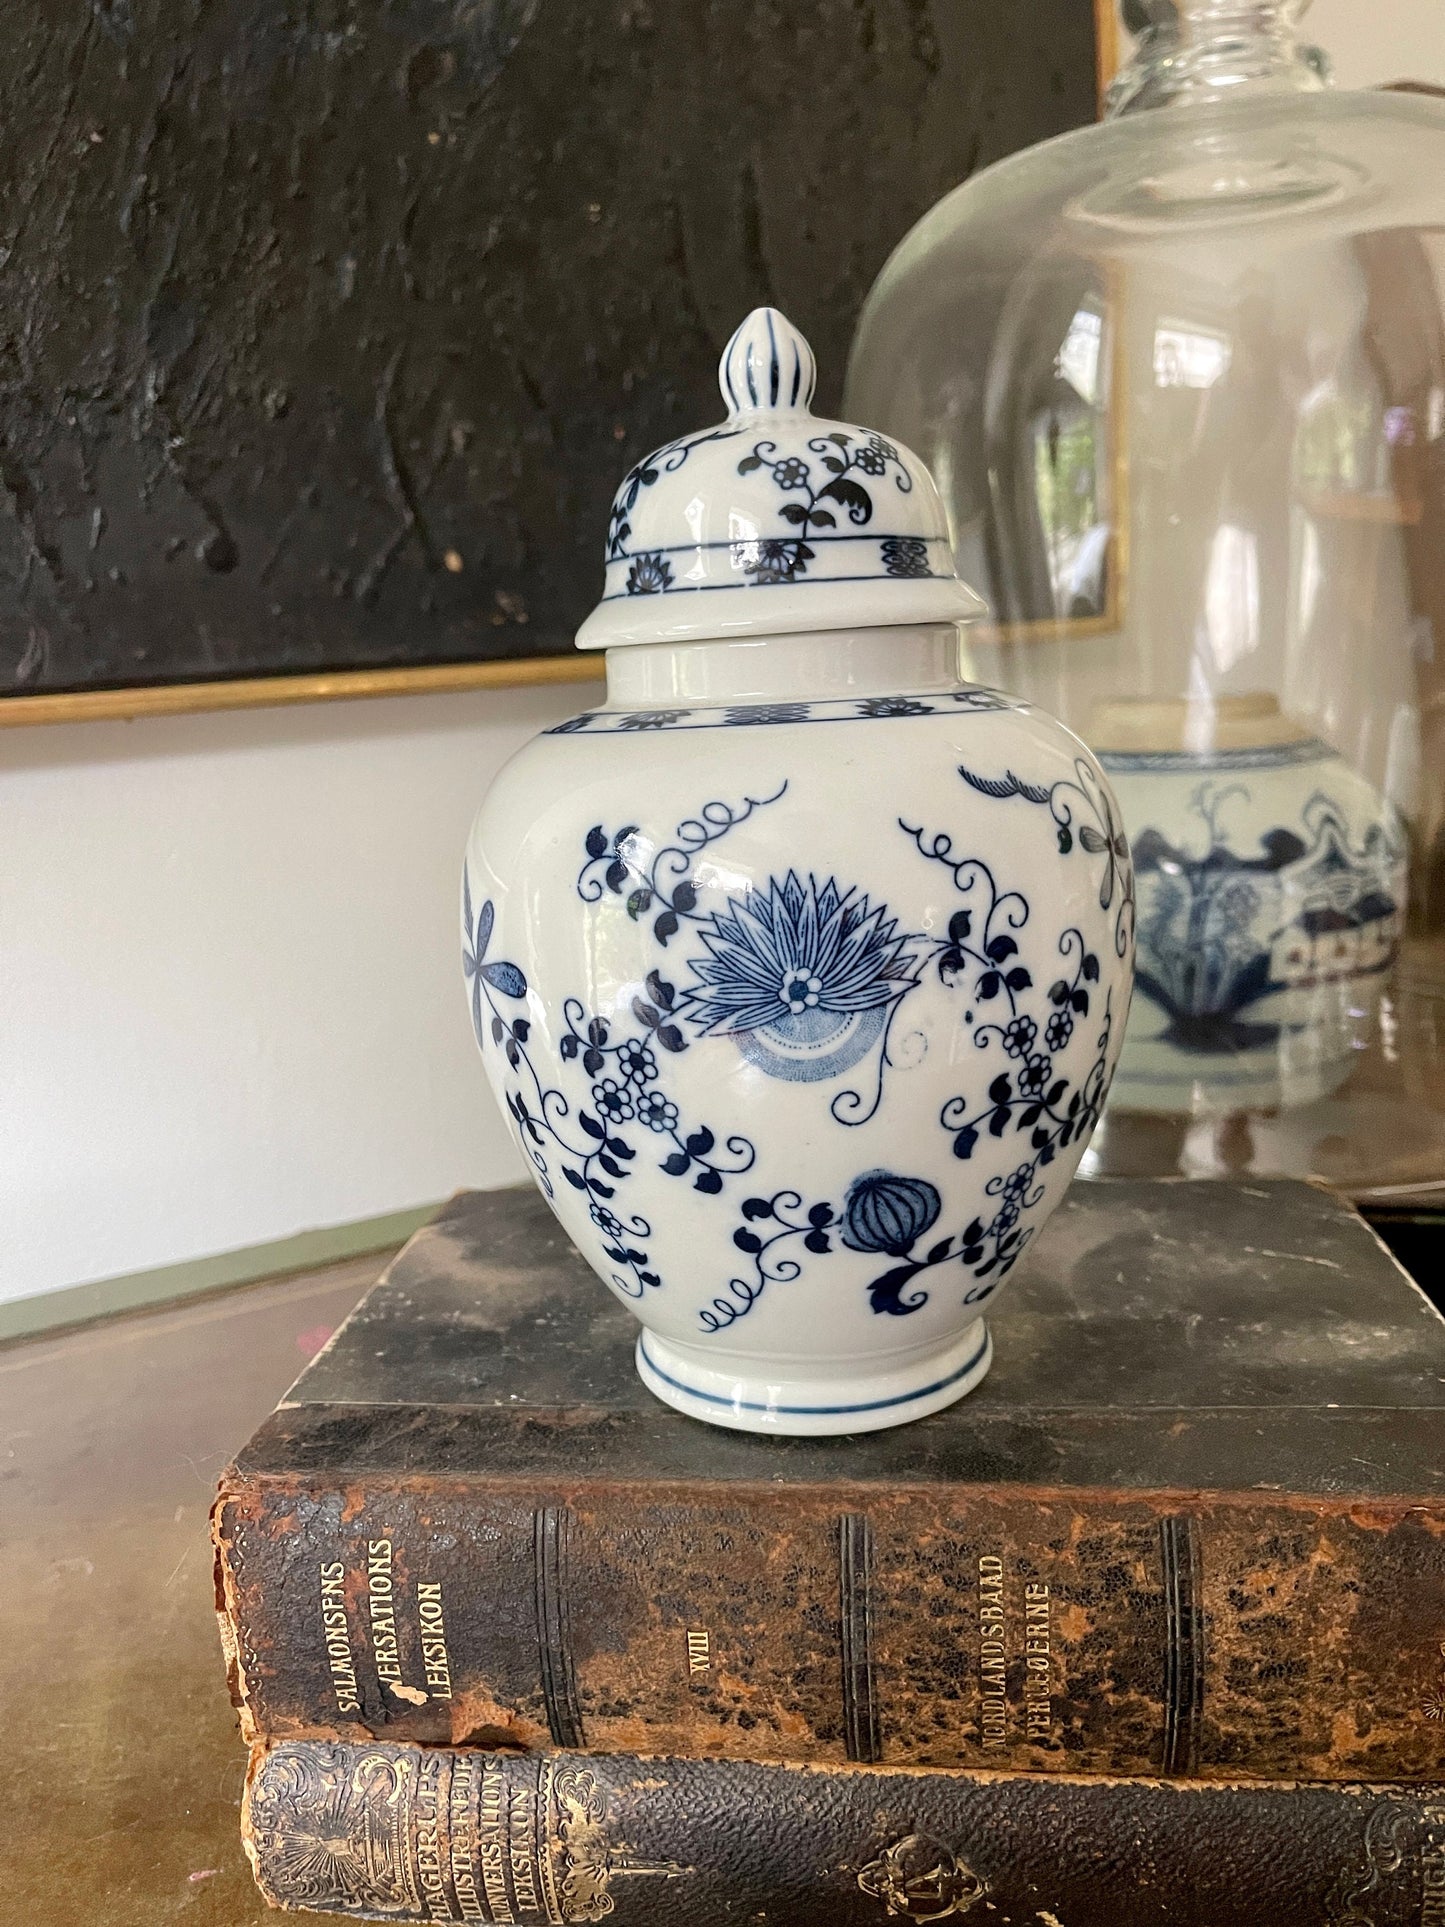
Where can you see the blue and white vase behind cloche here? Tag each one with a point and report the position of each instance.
(801, 966)
(1271, 882)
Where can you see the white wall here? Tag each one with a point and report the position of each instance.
(231, 1004)
(1372, 42)
(230, 999)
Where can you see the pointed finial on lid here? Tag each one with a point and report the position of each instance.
(767, 365)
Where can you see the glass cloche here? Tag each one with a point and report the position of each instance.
(1181, 380)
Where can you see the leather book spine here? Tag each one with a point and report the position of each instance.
(402, 1833)
(974, 1627)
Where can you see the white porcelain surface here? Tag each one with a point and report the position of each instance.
(800, 969)
(1271, 880)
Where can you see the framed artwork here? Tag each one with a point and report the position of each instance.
(330, 331)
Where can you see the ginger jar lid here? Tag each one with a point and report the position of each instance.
(775, 521)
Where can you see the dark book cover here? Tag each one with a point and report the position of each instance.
(430, 1833)
(1193, 1523)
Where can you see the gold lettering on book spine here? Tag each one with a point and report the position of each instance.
(522, 1823)
(336, 1638)
(429, 1836)
(432, 1623)
(462, 1836)
(992, 1654)
(499, 1839)
(381, 1605)
(494, 1842)
(1038, 1662)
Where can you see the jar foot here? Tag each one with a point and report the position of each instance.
(742, 1395)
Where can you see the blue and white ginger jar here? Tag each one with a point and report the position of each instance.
(801, 966)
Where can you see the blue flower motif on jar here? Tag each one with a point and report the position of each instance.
(613, 1100)
(649, 575)
(657, 1112)
(636, 1062)
(888, 1214)
(802, 976)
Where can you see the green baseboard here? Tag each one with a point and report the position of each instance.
(77, 1304)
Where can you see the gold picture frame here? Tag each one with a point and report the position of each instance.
(1106, 44)
(1108, 39)
(1110, 619)
(269, 692)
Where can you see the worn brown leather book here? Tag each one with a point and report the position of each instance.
(1193, 1523)
(431, 1833)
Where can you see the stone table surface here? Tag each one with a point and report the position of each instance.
(120, 1777)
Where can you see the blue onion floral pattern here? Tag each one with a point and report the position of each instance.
(761, 715)
(890, 706)
(801, 974)
(598, 722)
(649, 575)
(591, 1149)
(659, 882)
(651, 719)
(805, 974)
(825, 479)
(773, 558)
(773, 1228)
(1031, 1100)
(1082, 809)
(643, 475)
(886, 1213)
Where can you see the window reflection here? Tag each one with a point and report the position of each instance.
(1189, 357)
(1231, 596)
(1069, 454)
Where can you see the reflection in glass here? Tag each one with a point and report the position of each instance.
(1181, 378)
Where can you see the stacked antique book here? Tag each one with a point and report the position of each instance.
(1148, 1629)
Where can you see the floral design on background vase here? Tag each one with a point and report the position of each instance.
(1224, 930)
